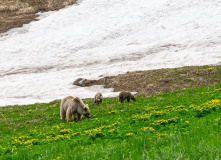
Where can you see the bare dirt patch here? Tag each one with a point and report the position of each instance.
(158, 81)
(15, 13)
(36, 120)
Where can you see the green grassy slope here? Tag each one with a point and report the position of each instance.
(175, 125)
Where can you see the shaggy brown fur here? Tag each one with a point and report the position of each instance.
(126, 95)
(98, 99)
(73, 106)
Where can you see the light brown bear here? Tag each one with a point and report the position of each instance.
(73, 106)
(98, 99)
(126, 95)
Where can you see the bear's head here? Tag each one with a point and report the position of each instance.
(133, 97)
(99, 97)
(86, 111)
(82, 108)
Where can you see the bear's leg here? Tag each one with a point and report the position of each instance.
(79, 116)
(62, 114)
(128, 99)
(123, 99)
(75, 115)
(100, 102)
(68, 115)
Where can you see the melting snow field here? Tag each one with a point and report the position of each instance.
(96, 38)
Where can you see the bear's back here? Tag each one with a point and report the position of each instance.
(67, 101)
(124, 94)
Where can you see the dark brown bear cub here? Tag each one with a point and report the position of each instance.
(126, 95)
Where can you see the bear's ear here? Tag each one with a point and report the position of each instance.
(77, 99)
(85, 109)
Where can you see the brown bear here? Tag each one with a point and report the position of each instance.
(73, 106)
(98, 99)
(126, 95)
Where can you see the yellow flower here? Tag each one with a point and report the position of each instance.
(112, 112)
(209, 69)
(215, 100)
(58, 157)
(149, 128)
(112, 130)
(187, 122)
(65, 130)
(159, 134)
(129, 134)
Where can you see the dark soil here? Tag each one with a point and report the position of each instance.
(15, 13)
(158, 81)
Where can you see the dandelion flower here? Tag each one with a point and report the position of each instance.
(129, 134)
(112, 130)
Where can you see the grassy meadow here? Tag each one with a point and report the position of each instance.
(176, 125)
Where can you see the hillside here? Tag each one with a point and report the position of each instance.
(177, 114)
(174, 125)
(15, 13)
(152, 82)
(98, 39)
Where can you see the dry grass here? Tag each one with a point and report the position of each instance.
(15, 13)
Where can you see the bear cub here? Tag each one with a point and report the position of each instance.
(98, 99)
(126, 95)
